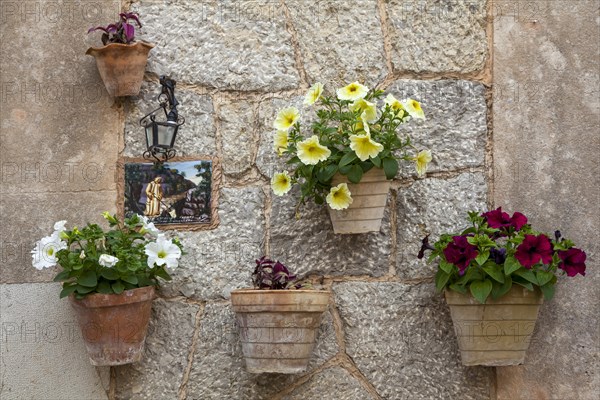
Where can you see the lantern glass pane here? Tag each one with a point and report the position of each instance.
(149, 136)
(165, 135)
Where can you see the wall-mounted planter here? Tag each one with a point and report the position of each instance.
(278, 328)
(122, 66)
(114, 326)
(369, 197)
(498, 332)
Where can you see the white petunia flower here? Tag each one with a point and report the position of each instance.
(107, 261)
(44, 253)
(162, 252)
(60, 226)
(148, 226)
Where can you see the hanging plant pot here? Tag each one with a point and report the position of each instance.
(114, 326)
(278, 328)
(369, 197)
(498, 332)
(122, 66)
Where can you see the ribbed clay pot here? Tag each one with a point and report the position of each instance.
(114, 326)
(278, 328)
(368, 203)
(122, 66)
(498, 332)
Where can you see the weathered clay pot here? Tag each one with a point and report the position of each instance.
(114, 326)
(498, 332)
(122, 66)
(368, 203)
(278, 328)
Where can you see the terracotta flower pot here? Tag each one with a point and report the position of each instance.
(366, 211)
(122, 66)
(114, 326)
(278, 328)
(498, 332)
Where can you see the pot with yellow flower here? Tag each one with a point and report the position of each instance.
(350, 155)
(109, 277)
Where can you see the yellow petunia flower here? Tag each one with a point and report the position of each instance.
(314, 93)
(353, 91)
(364, 146)
(394, 104)
(422, 159)
(369, 110)
(413, 107)
(339, 197)
(286, 118)
(310, 151)
(281, 183)
(280, 142)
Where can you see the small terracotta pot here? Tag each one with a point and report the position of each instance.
(278, 328)
(114, 326)
(498, 332)
(368, 203)
(122, 66)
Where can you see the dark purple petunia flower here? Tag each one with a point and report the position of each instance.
(533, 250)
(424, 246)
(498, 255)
(498, 219)
(460, 253)
(573, 261)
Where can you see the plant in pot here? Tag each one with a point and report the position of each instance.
(278, 319)
(109, 277)
(349, 154)
(122, 60)
(495, 274)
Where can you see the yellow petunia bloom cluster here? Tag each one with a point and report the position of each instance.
(339, 197)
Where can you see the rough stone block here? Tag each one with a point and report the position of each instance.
(434, 206)
(401, 338)
(220, 260)
(218, 371)
(160, 373)
(437, 36)
(196, 137)
(42, 354)
(455, 128)
(331, 51)
(35, 219)
(333, 383)
(238, 127)
(233, 45)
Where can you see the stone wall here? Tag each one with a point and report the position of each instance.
(387, 334)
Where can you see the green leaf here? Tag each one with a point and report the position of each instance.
(481, 289)
(528, 275)
(324, 175)
(130, 279)
(544, 277)
(88, 279)
(104, 287)
(511, 265)
(109, 274)
(355, 174)
(548, 291)
(441, 278)
(67, 290)
(390, 167)
(524, 283)
(118, 287)
(61, 276)
(446, 266)
(500, 290)
(160, 272)
(319, 199)
(366, 166)
(494, 272)
(458, 288)
(293, 160)
(483, 257)
(376, 161)
(348, 158)
(84, 289)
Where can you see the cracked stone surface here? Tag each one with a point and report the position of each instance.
(437, 36)
(401, 338)
(333, 383)
(249, 37)
(434, 206)
(160, 373)
(218, 371)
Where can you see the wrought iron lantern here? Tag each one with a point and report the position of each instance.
(161, 135)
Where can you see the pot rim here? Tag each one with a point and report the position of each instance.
(139, 42)
(278, 291)
(98, 300)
